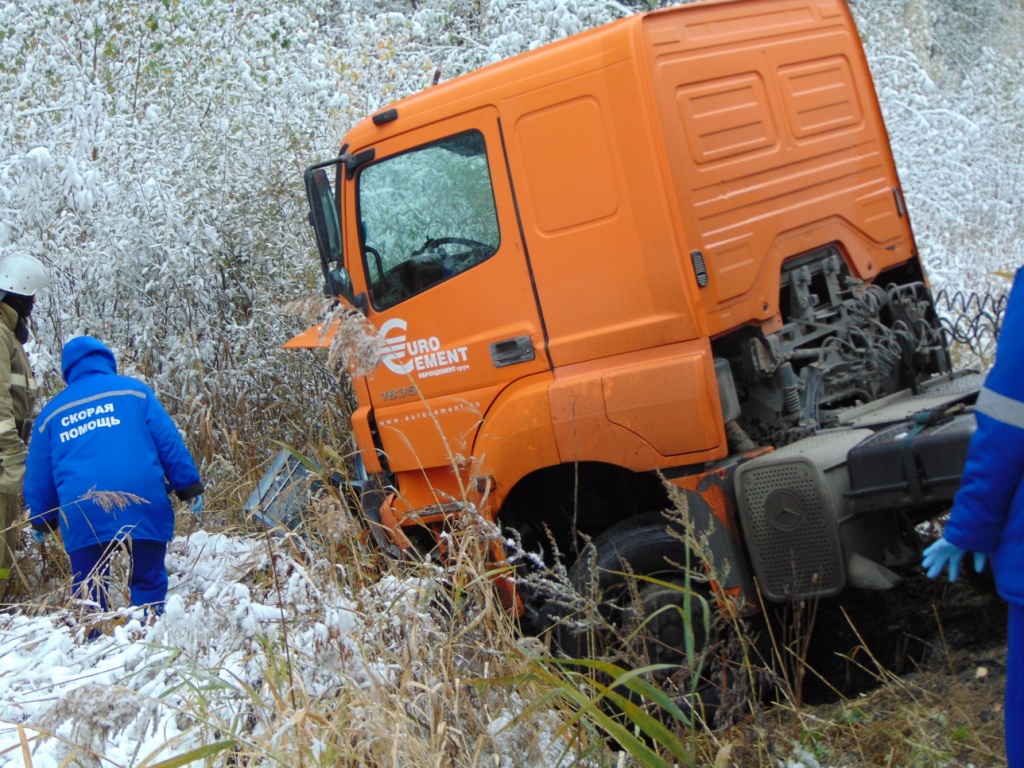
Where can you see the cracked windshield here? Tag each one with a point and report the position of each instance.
(425, 216)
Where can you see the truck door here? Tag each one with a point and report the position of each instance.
(448, 284)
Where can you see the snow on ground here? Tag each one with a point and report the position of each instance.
(53, 678)
(247, 648)
(129, 693)
(199, 675)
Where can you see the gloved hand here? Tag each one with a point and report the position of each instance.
(38, 535)
(944, 552)
(979, 562)
(197, 504)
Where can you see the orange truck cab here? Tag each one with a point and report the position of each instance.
(668, 253)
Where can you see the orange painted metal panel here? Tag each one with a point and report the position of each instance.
(772, 130)
(432, 432)
(517, 437)
(639, 409)
(602, 243)
(667, 400)
(437, 376)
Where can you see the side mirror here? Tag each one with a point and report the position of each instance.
(324, 218)
(339, 283)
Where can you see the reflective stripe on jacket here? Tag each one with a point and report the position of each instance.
(988, 511)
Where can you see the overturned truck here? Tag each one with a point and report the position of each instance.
(666, 257)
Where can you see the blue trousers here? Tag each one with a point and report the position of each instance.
(1015, 688)
(147, 579)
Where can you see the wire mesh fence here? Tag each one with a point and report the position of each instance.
(971, 322)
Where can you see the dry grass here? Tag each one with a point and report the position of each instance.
(456, 683)
(906, 727)
(932, 718)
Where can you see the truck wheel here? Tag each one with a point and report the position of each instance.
(640, 620)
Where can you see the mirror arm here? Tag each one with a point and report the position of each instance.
(361, 302)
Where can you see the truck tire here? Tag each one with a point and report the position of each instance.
(634, 573)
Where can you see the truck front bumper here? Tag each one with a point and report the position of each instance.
(837, 509)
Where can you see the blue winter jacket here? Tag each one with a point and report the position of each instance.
(988, 511)
(105, 432)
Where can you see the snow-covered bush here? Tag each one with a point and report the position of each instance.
(948, 78)
(151, 153)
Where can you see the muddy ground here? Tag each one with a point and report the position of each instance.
(920, 624)
(911, 677)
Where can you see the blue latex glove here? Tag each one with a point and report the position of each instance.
(39, 536)
(197, 504)
(943, 552)
(979, 562)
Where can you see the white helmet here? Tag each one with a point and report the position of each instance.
(22, 274)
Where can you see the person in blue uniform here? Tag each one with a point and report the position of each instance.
(103, 457)
(988, 510)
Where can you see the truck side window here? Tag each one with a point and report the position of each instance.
(425, 216)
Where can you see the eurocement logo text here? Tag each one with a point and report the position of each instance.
(424, 357)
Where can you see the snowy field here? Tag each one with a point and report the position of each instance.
(195, 679)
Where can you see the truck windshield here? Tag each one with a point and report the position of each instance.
(425, 216)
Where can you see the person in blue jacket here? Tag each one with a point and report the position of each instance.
(988, 510)
(107, 434)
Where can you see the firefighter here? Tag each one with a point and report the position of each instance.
(104, 456)
(21, 276)
(988, 511)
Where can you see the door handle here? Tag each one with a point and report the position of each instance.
(512, 351)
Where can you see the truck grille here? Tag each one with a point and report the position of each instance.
(790, 504)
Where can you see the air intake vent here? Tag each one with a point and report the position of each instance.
(791, 504)
(791, 531)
